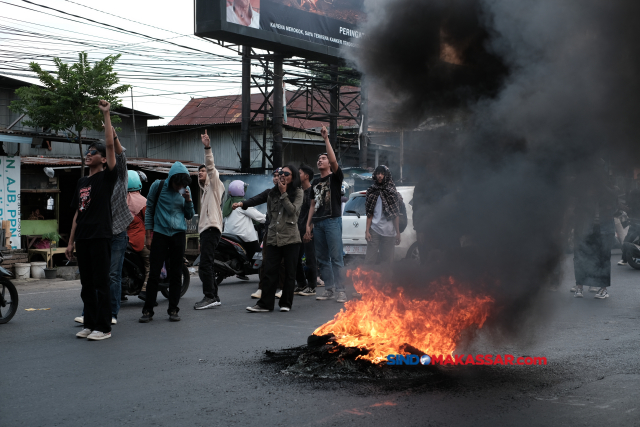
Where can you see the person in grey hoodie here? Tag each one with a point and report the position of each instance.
(168, 205)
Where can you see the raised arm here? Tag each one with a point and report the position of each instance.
(105, 107)
(116, 142)
(333, 161)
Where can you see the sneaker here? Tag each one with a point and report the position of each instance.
(97, 336)
(146, 318)
(257, 294)
(114, 321)
(257, 309)
(279, 294)
(319, 282)
(602, 293)
(173, 316)
(207, 303)
(342, 297)
(79, 319)
(593, 289)
(328, 294)
(143, 295)
(573, 289)
(356, 295)
(623, 262)
(84, 333)
(308, 292)
(578, 293)
(242, 277)
(285, 309)
(298, 290)
(124, 298)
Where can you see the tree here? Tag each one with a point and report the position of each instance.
(68, 102)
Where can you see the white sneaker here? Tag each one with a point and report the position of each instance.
(279, 294)
(84, 333)
(257, 294)
(342, 297)
(593, 289)
(573, 289)
(602, 293)
(114, 321)
(319, 282)
(80, 319)
(285, 309)
(97, 336)
(621, 262)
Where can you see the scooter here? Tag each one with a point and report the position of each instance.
(231, 259)
(8, 295)
(632, 248)
(133, 273)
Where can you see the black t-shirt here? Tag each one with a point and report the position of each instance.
(92, 199)
(304, 209)
(327, 196)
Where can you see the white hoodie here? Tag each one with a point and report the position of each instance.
(239, 223)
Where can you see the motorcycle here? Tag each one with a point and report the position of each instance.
(231, 259)
(8, 295)
(133, 273)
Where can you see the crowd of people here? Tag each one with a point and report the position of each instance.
(303, 224)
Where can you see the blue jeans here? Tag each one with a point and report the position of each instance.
(327, 235)
(118, 246)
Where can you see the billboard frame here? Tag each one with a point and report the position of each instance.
(215, 26)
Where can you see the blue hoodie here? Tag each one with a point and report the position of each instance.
(167, 215)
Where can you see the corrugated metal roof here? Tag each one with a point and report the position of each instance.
(228, 110)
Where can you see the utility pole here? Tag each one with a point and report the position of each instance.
(277, 111)
(245, 136)
(364, 125)
(135, 133)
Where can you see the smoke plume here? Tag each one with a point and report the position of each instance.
(541, 97)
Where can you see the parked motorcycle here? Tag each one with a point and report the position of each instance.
(231, 259)
(632, 247)
(133, 273)
(8, 295)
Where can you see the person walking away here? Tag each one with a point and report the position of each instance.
(239, 222)
(306, 281)
(383, 218)
(137, 204)
(92, 231)
(283, 240)
(209, 225)
(121, 220)
(169, 204)
(257, 200)
(325, 222)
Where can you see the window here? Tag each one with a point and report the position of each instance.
(357, 204)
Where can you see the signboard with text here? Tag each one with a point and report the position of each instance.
(10, 196)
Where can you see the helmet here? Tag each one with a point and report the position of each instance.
(344, 188)
(236, 188)
(133, 181)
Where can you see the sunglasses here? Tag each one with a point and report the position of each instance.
(285, 173)
(92, 152)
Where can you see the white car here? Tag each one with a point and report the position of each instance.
(354, 223)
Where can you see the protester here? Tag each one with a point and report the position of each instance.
(382, 207)
(121, 219)
(168, 205)
(137, 204)
(306, 281)
(256, 200)
(594, 230)
(92, 232)
(325, 223)
(283, 241)
(239, 222)
(209, 225)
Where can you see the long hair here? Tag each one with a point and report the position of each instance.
(293, 185)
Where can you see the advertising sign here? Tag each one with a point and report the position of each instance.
(314, 29)
(10, 196)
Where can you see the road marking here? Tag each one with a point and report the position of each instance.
(48, 292)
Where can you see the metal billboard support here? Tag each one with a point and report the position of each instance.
(245, 138)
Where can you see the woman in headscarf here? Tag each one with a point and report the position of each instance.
(137, 204)
(383, 217)
(239, 222)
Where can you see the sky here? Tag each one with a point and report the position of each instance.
(165, 63)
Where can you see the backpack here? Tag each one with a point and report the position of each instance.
(403, 215)
(157, 196)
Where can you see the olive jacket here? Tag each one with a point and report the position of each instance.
(283, 212)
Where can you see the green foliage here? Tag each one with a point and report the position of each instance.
(69, 101)
(52, 236)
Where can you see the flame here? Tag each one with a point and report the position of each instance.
(385, 320)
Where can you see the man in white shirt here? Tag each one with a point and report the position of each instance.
(383, 218)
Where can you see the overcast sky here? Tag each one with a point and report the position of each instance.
(164, 76)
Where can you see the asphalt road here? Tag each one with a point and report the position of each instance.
(209, 369)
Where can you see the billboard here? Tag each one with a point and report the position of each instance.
(314, 29)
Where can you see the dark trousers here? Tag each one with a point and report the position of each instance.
(309, 278)
(94, 262)
(163, 248)
(274, 257)
(592, 260)
(251, 248)
(265, 249)
(209, 240)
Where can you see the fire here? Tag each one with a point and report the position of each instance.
(385, 320)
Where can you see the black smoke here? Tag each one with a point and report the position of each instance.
(540, 103)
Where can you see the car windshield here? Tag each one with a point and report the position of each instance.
(355, 205)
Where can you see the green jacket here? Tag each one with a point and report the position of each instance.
(283, 229)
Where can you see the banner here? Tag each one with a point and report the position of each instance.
(10, 196)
